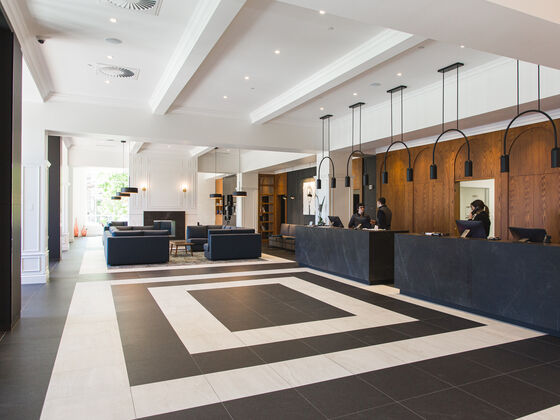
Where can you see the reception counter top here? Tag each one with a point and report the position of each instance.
(366, 256)
(512, 281)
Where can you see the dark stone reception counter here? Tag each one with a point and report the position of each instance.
(511, 281)
(361, 255)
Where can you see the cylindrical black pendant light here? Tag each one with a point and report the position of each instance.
(215, 195)
(409, 170)
(358, 151)
(468, 162)
(238, 192)
(555, 152)
(325, 118)
(129, 189)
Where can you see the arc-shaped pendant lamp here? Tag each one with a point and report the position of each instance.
(555, 152)
(468, 162)
(215, 195)
(409, 171)
(327, 119)
(129, 189)
(238, 191)
(358, 151)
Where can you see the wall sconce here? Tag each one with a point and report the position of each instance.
(144, 187)
(184, 188)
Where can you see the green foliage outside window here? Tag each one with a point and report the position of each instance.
(107, 209)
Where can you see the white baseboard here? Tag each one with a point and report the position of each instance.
(34, 278)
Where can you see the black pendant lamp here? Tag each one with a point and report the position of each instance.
(555, 152)
(215, 195)
(129, 189)
(358, 151)
(468, 162)
(326, 119)
(409, 172)
(238, 192)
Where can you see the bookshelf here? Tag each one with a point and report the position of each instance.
(266, 206)
(219, 207)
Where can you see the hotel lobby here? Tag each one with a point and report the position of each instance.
(249, 209)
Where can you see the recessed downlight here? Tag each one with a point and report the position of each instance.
(462, 46)
(399, 74)
(276, 52)
(246, 77)
(355, 94)
(225, 96)
(322, 12)
(109, 57)
(113, 20)
(115, 41)
(107, 82)
(321, 109)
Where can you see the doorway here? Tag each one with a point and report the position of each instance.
(482, 189)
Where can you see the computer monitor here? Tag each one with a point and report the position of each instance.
(531, 235)
(474, 228)
(335, 221)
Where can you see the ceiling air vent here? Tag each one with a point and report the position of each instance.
(117, 72)
(147, 6)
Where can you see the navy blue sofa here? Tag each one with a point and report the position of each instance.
(127, 245)
(198, 235)
(232, 244)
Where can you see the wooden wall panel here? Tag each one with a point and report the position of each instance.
(529, 196)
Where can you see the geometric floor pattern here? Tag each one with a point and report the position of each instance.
(291, 342)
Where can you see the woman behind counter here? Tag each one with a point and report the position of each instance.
(480, 213)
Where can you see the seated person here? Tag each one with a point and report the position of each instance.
(479, 212)
(360, 218)
(384, 214)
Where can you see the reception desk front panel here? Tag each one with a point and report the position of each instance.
(511, 281)
(364, 256)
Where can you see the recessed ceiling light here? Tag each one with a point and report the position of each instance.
(276, 52)
(113, 20)
(322, 12)
(107, 82)
(110, 57)
(322, 109)
(399, 74)
(355, 94)
(225, 97)
(462, 46)
(246, 77)
(113, 40)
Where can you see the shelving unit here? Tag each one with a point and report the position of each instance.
(219, 208)
(266, 205)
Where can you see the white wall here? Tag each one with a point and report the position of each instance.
(247, 207)
(64, 203)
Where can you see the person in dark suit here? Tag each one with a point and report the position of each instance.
(480, 213)
(384, 214)
(360, 218)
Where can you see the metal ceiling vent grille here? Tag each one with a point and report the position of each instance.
(148, 6)
(117, 72)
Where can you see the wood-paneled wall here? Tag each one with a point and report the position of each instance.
(527, 196)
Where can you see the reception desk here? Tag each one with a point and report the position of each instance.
(362, 255)
(511, 281)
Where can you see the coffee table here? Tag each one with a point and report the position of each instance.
(177, 243)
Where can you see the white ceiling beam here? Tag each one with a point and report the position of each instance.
(380, 48)
(18, 16)
(209, 21)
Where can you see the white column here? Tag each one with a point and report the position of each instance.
(246, 207)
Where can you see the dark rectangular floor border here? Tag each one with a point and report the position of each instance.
(153, 351)
(128, 275)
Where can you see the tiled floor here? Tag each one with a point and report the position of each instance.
(263, 340)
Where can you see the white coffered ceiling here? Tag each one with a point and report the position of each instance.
(214, 60)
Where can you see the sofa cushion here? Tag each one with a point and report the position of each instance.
(120, 228)
(154, 232)
(197, 232)
(284, 229)
(292, 230)
(214, 227)
(119, 232)
(198, 240)
(142, 227)
(117, 223)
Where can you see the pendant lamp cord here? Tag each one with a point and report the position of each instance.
(391, 117)
(457, 97)
(322, 138)
(517, 87)
(442, 102)
(352, 129)
(360, 132)
(329, 136)
(402, 130)
(539, 85)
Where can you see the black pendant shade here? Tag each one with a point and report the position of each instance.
(325, 118)
(433, 171)
(240, 194)
(115, 197)
(130, 190)
(468, 168)
(385, 177)
(555, 157)
(215, 196)
(123, 194)
(347, 181)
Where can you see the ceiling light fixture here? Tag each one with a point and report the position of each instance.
(321, 109)
(276, 52)
(358, 151)
(115, 41)
(113, 20)
(110, 57)
(555, 152)
(399, 74)
(326, 118)
(128, 190)
(107, 82)
(468, 162)
(225, 97)
(322, 12)
(215, 195)
(409, 172)
(246, 77)
(355, 94)
(462, 46)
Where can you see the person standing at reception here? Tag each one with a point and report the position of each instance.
(360, 219)
(384, 214)
(480, 213)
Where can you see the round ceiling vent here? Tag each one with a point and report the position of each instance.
(116, 71)
(140, 5)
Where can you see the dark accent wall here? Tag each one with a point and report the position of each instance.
(295, 189)
(54, 197)
(178, 216)
(370, 195)
(10, 178)
(230, 182)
